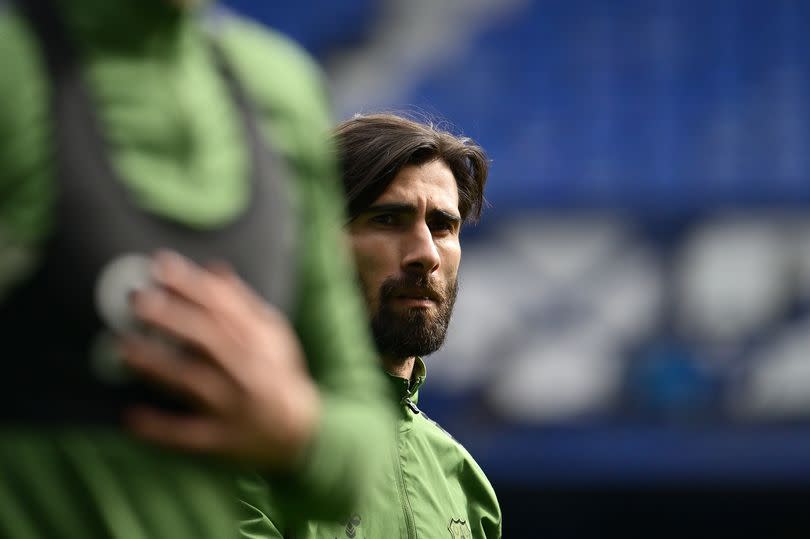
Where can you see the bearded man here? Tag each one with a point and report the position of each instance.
(410, 188)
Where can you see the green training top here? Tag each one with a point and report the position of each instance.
(176, 142)
(432, 489)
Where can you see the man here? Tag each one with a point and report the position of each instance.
(410, 188)
(131, 127)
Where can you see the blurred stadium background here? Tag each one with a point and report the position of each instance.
(632, 338)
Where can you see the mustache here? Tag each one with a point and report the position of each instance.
(412, 285)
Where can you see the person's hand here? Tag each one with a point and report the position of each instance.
(240, 364)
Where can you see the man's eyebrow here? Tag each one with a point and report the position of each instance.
(446, 215)
(391, 208)
(403, 208)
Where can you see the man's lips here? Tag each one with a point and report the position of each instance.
(416, 295)
(423, 303)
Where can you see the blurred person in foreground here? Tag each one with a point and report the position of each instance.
(131, 127)
(410, 187)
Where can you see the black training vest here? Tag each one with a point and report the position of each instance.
(50, 324)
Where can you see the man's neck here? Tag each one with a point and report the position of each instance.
(399, 367)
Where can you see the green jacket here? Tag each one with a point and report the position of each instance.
(432, 489)
(176, 144)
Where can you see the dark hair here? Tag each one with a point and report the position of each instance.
(373, 148)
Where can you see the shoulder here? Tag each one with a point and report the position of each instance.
(449, 446)
(437, 430)
(276, 71)
(289, 91)
(456, 459)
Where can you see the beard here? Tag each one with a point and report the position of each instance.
(414, 331)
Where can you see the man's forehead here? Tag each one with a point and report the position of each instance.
(431, 183)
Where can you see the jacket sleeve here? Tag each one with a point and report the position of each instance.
(355, 431)
(485, 511)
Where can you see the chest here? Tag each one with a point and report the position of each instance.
(422, 495)
(176, 161)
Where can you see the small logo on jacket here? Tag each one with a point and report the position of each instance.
(458, 529)
(351, 526)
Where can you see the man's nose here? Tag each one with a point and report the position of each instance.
(420, 252)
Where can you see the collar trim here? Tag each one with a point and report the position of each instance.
(410, 388)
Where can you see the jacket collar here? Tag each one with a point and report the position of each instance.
(410, 388)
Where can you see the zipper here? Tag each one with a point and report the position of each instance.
(410, 404)
(410, 527)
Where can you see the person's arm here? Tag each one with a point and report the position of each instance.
(484, 511)
(356, 424)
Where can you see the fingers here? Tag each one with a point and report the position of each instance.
(221, 269)
(187, 321)
(211, 308)
(181, 276)
(189, 377)
(191, 433)
(251, 300)
(216, 287)
(219, 290)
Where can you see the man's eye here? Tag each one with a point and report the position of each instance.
(442, 226)
(387, 219)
